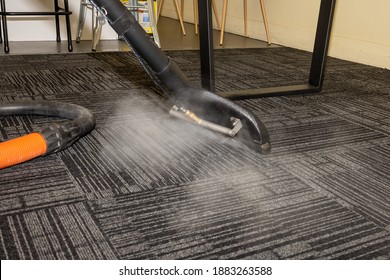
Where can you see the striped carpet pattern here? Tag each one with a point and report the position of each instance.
(144, 185)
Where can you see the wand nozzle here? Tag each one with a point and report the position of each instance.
(182, 113)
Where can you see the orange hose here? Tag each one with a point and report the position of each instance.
(22, 149)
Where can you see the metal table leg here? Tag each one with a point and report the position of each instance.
(316, 76)
(206, 44)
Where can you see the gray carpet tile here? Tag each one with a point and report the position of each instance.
(144, 185)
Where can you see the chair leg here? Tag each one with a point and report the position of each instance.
(216, 14)
(262, 6)
(224, 9)
(245, 18)
(182, 8)
(159, 7)
(1, 32)
(57, 9)
(82, 16)
(180, 17)
(5, 30)
(68, 30)
(196, 20)
(97, 27)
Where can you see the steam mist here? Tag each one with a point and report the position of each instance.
(148, 148)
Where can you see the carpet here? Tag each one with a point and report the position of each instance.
(144, 185)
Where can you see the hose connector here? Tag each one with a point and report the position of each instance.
(60, 136)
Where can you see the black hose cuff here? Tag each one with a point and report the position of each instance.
(59, 136)
(123, 23)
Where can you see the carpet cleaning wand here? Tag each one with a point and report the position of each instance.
(207, 105)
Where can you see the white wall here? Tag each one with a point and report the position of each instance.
(361, 28)
(43, 28)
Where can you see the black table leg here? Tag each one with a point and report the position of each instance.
(206, 44)
(321, 43)
(317, 68)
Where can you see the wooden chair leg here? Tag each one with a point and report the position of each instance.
(224, 9)
(214, 7)
(196, 20)
(159, 7)
(1, 36)
(262, 6)
(245, 18)
(180, 17)
(182, 9)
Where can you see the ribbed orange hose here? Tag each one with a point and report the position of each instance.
(21, 149)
